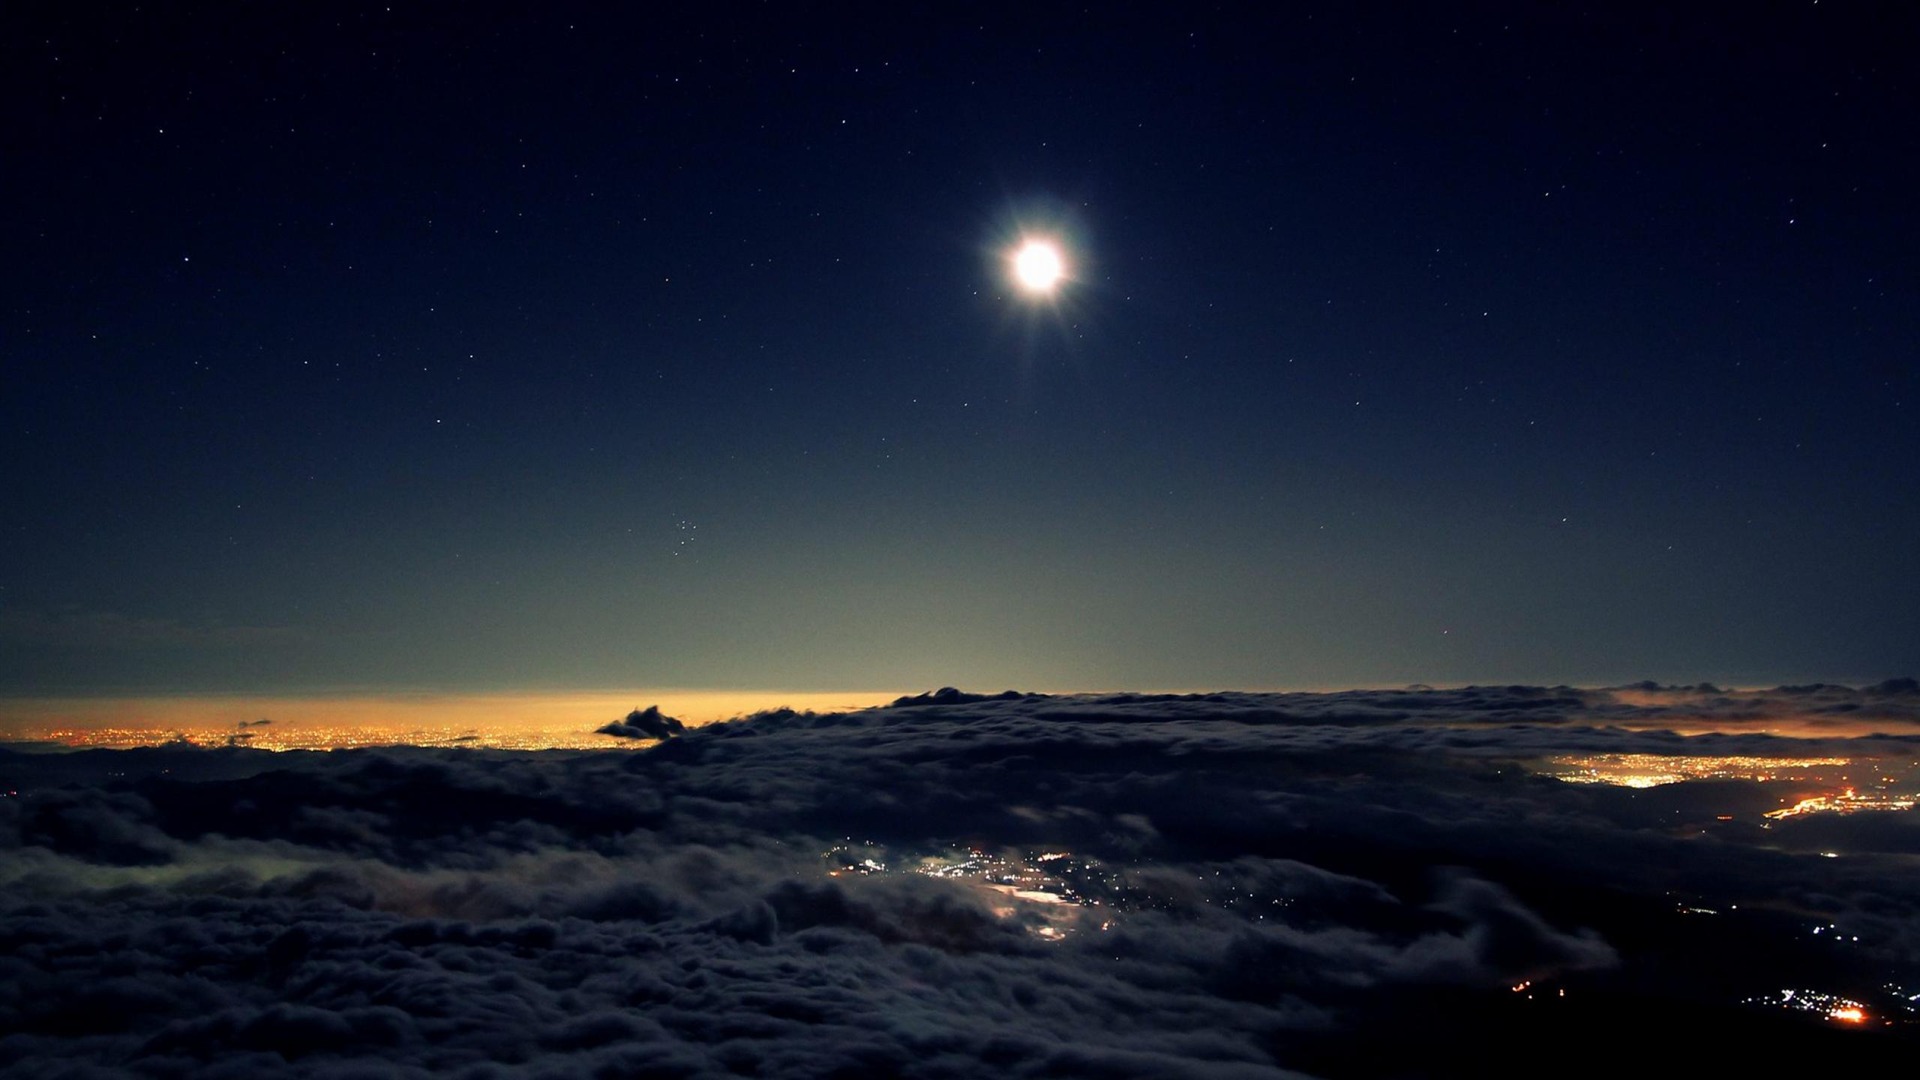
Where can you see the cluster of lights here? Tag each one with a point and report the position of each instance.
(1525, 986)
(1054, 892)
(1905, 998)
(1848, 801)
(1246, 900)
(1050, 890)
(1840, 1010)
(850, 859)
(1047, 877)
(359, 736)
(1653, 770)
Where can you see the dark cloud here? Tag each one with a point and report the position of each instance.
(649, 723)
(948, 695)
(1123, 885)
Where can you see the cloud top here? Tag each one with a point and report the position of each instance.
(1226, 884)
(648, 723)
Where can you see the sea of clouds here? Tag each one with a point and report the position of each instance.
(1355, 884)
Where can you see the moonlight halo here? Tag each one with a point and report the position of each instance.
(1038, 266)
(1038, 251)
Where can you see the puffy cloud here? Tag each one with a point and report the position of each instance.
(649, 723)
(948, 695)
(1124, 885)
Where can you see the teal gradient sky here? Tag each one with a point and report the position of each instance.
(579, 348)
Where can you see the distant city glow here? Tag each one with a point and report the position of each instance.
(1653, 770)
(1046, 891)
(1846, 802)
(1834, 791)
(507, 721)
(1840, 1010)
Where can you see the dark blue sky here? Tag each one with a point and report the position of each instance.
(347, 346)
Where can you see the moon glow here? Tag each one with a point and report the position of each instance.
(1037, 266)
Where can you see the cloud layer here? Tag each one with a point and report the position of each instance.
(1233, 885)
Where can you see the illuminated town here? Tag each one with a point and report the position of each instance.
(1848, 801)
(345, 737)
(1047, 891)
(1653, 770)
(1056, 892)
(1841, 1010)
(1053, 894)
(1886, 786)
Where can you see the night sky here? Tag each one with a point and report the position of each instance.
(431, 346)
(394, 376)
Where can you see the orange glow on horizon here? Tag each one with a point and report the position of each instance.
(520, 719)
(1768, 714)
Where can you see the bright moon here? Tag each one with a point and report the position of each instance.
(1038, 266)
